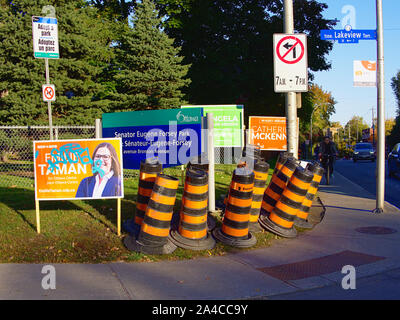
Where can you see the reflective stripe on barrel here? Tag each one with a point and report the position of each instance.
(260, 178)
(157, 220)
(147, 176)
(193, 215)
(237, 213)
(312, 190)
(277, 185)
(288, 205)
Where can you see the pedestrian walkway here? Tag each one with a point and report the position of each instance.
(350, 234)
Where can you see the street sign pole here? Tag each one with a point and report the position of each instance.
(380, 181)
(49, 102)
(290, 97)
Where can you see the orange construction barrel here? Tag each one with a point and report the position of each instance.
(302, 215)
(192, 231)
(281, 220)
(235, 224)
(154, 231)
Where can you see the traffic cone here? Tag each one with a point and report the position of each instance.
(154, 231)
(284, 169)
(192, 231)
(281, 220)
(199, 163)
(149, 169)
(260, 178)
(302, 215)
(235, 224)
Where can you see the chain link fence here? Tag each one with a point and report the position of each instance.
(16, 149)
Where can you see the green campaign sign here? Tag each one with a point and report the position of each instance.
(228, 124)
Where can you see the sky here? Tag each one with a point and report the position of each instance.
(338, 80)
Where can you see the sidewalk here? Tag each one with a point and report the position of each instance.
(312, 260)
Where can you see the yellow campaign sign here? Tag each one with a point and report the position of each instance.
(78, 169)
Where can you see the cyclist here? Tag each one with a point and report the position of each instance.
(327, 152)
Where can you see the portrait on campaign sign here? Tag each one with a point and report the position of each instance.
(78, 169)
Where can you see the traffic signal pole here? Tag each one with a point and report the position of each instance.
(290, 97)
(380, 179)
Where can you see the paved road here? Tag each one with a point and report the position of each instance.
(363, 174)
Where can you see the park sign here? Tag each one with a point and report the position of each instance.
(228, 123)
(171, 135)
(78, 169)
(45, 37)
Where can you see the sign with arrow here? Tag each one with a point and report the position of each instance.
(290, 63)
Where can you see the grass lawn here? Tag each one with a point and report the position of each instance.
(85, 231)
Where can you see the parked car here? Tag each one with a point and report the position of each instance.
(394, 161)
(364, 151)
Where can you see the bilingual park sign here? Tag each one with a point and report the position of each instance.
(171, 135)
(348, 35)
(290, 63)
(45, 38)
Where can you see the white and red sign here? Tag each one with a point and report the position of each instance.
(290, 63)
(49, 92)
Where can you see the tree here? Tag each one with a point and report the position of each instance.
(229, 44)
(394, 136)
(324, 105)
(356, 125)
(85, 53)
(149, 72)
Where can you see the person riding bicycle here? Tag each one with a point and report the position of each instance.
(327, 152)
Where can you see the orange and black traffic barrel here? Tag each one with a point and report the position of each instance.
(260, 178)
(235, 224)
(302, 215)
(154, 231)
(149, 170)
(277, 185)
(281, 220)
(252, 150)
(192, 232)
(199, 163)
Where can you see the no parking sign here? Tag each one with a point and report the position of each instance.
(290, 63)
(49, 92)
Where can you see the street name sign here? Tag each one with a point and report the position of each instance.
(45, 38)
(290, 63)
(348, 36)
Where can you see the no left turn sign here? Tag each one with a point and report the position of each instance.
(290, 63)
(49, 92)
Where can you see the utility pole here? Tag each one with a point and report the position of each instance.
(357, 131)
(290, 97)
(380, 181)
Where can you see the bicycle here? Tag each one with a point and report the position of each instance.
(326, 160)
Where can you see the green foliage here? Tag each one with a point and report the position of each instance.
(394, 136)
(229, 44)
(84, 41)
(355, 124)
(149, 73)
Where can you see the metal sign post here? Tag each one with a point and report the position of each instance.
(49, 102)
(380, 181)
(290, 58)
(45, 46)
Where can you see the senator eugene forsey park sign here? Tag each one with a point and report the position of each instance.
(172, 135)
(348, 36)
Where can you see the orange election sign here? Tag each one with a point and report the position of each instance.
(78, 169)
(269, 132)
